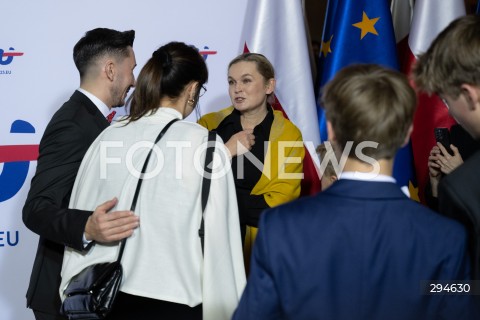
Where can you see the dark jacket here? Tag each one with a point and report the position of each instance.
(64, 143)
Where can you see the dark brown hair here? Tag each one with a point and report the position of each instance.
(171, 68)
(453, 59)
(99, 42)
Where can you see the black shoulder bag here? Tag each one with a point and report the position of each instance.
(91, 293)
(206, 183)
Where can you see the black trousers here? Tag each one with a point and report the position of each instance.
(131, 307)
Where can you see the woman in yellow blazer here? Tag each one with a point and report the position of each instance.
(266, 148)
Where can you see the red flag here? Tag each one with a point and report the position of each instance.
(430, 17)
(276, 29)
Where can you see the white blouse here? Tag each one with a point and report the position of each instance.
(163, 258)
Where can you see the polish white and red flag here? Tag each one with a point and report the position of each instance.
(277, 29)
(429, 18)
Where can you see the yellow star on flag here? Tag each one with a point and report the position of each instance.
(367, 25)
(413, 191)
(326, 49)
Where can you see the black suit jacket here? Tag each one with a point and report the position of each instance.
(459, 198)
(64, 143)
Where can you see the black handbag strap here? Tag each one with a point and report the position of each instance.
(139, 184)
(206, 183)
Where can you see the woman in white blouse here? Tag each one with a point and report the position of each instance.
(165, 272)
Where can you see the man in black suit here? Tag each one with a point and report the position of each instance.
(105, 61)
(451, 69)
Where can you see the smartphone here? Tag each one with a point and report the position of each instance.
(442, 135)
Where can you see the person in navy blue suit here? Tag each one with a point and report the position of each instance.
(360, 249)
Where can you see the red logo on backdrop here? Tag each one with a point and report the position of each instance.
(6, 58)
(16, 161)
(206, 52)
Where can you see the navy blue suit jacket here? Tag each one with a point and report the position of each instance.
(358, 250)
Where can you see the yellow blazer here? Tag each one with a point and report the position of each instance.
(283, 167)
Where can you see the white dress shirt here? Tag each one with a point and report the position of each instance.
(163, 258)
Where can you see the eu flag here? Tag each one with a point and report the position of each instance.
(361, 31)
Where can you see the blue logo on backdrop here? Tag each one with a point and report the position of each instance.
(6, 58)
(16, 161)
(9, 238)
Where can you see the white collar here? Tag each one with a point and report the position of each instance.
(171, 111)
(104, 109)
(363, 176)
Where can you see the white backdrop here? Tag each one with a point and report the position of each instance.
(38, 74)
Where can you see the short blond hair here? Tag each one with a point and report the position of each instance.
(368, 102)
(263, 65)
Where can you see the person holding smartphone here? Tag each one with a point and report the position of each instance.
(450, 68)
(443, 161)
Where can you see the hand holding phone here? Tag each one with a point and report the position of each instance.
(442, 135)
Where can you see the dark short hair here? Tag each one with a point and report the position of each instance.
(368, 102)
(166, 74)
(99, 42)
